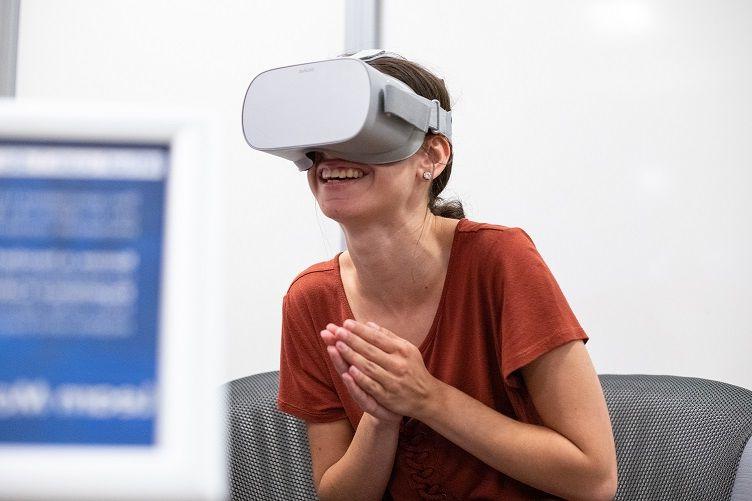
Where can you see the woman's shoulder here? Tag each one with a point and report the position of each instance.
(495, 239)
(493, 252)
(315, 278)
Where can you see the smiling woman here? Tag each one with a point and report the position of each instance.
(437, 356)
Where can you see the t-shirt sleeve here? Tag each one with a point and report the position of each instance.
(306, 390)
(535, 316)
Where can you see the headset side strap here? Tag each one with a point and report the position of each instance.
(424, 114)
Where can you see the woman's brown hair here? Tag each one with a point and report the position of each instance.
(426, 84)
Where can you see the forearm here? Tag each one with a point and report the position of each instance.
(364, 470)
(535, 455)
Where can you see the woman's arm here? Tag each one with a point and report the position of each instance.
(573, 456)
(364, 471)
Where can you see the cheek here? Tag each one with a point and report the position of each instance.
(396, 181)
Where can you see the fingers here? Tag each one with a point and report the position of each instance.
(367, 384)
(339, 363)
(363, 399)
(364, 389)
(364, 348)
(342, 366)
(348, 374)
(375, 335)
(328, 337)
(337, 359)
(377, 377)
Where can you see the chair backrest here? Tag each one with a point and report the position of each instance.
(267, 451)
(676, 438)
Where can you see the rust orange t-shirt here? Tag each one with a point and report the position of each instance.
(500, 309)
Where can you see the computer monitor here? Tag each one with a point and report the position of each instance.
(110, 303)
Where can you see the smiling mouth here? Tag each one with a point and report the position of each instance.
(340, 175)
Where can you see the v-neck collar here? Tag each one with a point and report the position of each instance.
(434, 325)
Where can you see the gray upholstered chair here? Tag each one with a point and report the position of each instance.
(677, 438)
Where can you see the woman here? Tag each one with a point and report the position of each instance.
(436, 358)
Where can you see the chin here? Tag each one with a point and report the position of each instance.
(345, 213)
(339, 214)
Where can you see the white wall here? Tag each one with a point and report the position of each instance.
(617, 133)
(203, 54)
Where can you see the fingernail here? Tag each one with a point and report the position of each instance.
(341, 345)
(372, 324)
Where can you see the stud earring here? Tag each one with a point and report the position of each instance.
(427, 175)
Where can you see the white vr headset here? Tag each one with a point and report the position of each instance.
(340, 106)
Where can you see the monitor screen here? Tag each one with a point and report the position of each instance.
(81, 251)
(111, 302)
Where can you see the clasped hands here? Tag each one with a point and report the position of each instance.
(384, 373)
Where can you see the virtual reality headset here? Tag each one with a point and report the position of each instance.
(340, 106)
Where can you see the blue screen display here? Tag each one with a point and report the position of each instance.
(81, 249)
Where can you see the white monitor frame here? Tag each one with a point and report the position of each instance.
(188, 458)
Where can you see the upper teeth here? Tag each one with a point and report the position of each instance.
(327, 173)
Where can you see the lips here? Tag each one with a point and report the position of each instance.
(335, 164)
(329, 170)
(338, 164)
(340, 175)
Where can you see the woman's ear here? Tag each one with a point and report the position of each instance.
(438, 149)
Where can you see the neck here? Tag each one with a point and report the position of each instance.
(394, 263)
